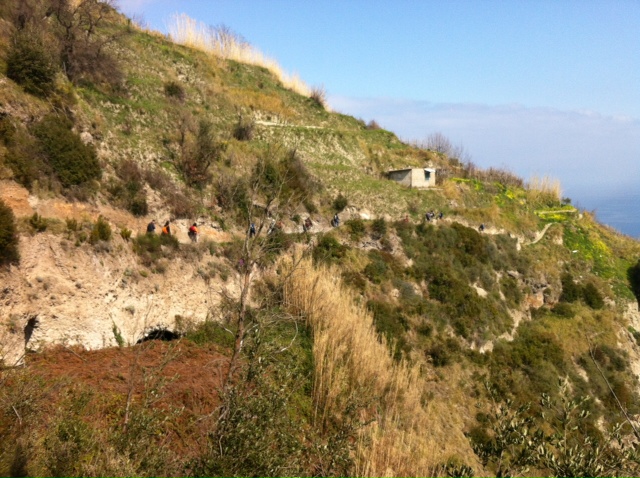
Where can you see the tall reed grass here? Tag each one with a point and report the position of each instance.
(545, 187)
(405, 435)
(222, 42)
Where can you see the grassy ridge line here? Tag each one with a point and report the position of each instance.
(353, 365)
(225, 44)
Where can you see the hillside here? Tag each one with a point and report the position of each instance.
(498, 337)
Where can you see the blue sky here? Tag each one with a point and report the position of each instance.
(550, 88)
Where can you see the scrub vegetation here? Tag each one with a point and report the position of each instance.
(490, 338)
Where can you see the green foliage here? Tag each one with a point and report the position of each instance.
(198, 155)
(130, 193)
(564, 310)
(23, 156)
(38, 223)
(125, 234)
(356, 227)
(391, 323)
(101, 231)
(554, 441)
(153, 247)
(340, 202)
(570, 290)
(592, 296)
(173, 89)
(511, 290)
(328, 250)
(299, 184)
(244, 129)
(633, 276)
(73, 162)
(8, 236)
(30, 65)
(379, 228)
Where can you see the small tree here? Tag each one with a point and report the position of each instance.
(198, 155)
(30, 65)
(73, 161)
(8, 236)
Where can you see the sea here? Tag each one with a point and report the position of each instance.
(618, 210)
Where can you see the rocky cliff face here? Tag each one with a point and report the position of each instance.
(64, 292)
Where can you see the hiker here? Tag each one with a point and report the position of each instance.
(272, 226)
(193, 232)
(481, 227)
(441, 215)
(252, 230)
(335, 222)
(427, 216)
(166, 230)
(151, 227)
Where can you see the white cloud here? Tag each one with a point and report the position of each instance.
(588, 152)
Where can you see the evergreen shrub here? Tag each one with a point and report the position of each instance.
(73, 162)
(30, 65)
(8, 236)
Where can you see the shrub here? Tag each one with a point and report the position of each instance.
(340, 202)
(356, 227)
(570, 290)
(328, 250)
(563, 309)
(38, 223)
(244, 129)
(30, 65)
(298, 181)
(633, 276)
(199, 155)
(150, 247)
(173, 89)
(592, 296)
(379, 227)
(373, 125)
(510, 289)
(125, 234)
(23, 157)
(73, 162)
(391, 323)
(8, 236)
(319, 96)
(101, 231)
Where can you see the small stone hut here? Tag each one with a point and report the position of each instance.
(421, 178)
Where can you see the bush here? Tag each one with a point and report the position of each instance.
(340, 202)
(328, 250)
(8, 236)
(592, 296)
(150, 247)
(379, 227)
(244, 129)
(101, 231)
(30, 65)
(356, 227)
(38, 223)
(570, 290)
(198, 156)
(319, 96)
(174, 90)
(633, 276)
(73, 162)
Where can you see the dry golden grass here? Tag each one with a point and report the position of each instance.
(262, 102)
(546, 186)
(224, 43)
(405, 437)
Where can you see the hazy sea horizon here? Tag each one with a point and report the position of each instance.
(618, 210)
